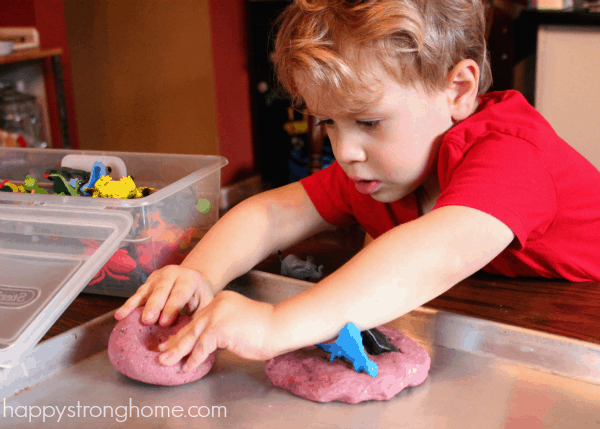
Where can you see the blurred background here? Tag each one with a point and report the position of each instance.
(194, 77)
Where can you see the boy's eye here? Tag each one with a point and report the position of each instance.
(325, 122)
(368, 124)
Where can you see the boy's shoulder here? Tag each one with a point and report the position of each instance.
(502, 112)
(506, 129)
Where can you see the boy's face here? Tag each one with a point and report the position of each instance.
(390, 147)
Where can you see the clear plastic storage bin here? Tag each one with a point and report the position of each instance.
(47, 256)
(166, 224)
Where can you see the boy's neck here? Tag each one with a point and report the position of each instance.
(427, 194)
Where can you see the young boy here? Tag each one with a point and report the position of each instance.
(446, 179)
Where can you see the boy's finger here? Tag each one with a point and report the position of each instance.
(157, 300)
(189, 333)
(182, 343)
(135, 301)
(193, 303)
(181, 294)
(174, 354)
(204, 347)
(206, 296)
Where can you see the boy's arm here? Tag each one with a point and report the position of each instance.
(245, 236)
(251, 231)
(401, 270)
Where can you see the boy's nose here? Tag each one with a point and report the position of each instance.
(349, 149)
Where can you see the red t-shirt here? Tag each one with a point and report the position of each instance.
(504, 160)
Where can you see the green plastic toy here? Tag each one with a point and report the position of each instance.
(62, 185)
(31, 185)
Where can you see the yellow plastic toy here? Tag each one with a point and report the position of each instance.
(124, 188)
(10, 187)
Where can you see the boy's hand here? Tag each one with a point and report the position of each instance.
(168, 290)
(231, 321)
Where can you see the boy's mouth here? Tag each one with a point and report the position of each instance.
(367, 186)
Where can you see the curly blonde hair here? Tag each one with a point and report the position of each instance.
(334, 44)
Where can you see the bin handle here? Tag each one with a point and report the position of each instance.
(135, 240)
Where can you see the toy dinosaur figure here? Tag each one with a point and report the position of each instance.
(376, 342)
(296, 268)
(71, 175)
(31, 185)
(349, 345)
(105, 187)
(98, 170)
(62, 186)
(6, 186)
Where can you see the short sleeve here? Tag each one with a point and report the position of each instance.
(501, 175)
(327, 189)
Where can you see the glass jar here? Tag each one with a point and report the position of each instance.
(19, 115)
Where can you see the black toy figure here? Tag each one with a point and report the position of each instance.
(296, 268)
(376, 342)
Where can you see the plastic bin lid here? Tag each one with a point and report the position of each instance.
(47, 256)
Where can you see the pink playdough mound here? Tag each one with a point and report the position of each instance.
(309, 374)
(133, 350)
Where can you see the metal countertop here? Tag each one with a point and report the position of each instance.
(483, 375)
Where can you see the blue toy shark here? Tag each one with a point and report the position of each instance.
(349, 345)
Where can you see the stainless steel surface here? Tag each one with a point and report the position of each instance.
(483, 375)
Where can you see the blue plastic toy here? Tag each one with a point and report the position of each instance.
(98, 170)
(73, 182)
(349, 345)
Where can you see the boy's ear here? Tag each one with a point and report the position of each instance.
(463, 85)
